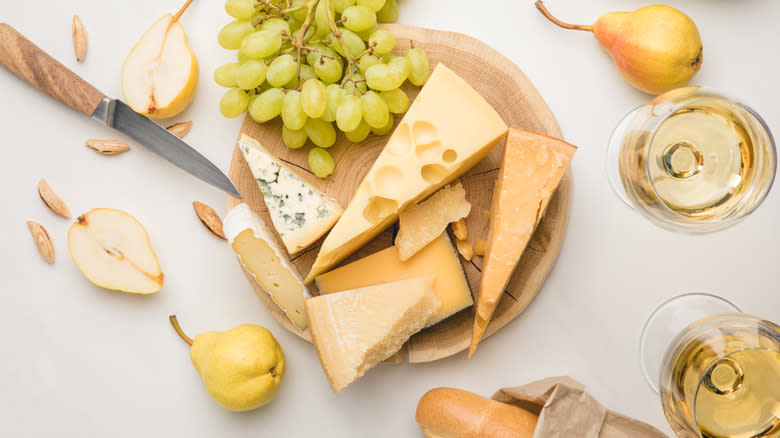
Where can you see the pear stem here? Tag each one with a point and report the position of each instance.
(540, 6)
(175, 324)
(181, 11)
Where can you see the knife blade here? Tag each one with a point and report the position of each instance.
(23, 58)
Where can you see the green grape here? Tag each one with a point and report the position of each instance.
(241, 58)
(299, 14)
(328, 70)
(231, 36)
(397, 101)
(260, 44)
(321, 133)
(388, 13)
(367, 61)
(306, 74)
(355, 46)
(358, 18)
(267, 105)
(360, 133)
(401, 66)
(375, 111)
(349, 87)
(233, 103)
(349, 113)
(225, 75)
(251, 74)
(320, 162)
(366, 34)
(322, 19)
(292, 112)
(334, 99)
(278, 25)
(382, 78)
(420, 66)
(240, 9)
(314, 98)
(281, 71)
(374, 5)
(382, 40)
(385, 129)
(340, 5)
(293, 138)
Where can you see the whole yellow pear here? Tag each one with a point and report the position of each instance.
(241, 368)
(656, 48)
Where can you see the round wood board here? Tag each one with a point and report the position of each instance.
(507, 89)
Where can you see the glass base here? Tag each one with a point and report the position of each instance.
(667, 321)
(613, 155)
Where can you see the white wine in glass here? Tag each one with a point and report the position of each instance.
(720, 376)
(692, 160)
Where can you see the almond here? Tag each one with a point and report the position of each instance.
(180, 129)
(54, 202)
(209, 218)
(107, 147)
(79, 38)
(42, 241)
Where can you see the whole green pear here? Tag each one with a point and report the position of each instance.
(242, 368)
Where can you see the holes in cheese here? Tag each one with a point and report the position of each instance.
(447, 110)
(433, 173)
(449, 156)
(261, 257)
(387, 180)
(423, 222)
(424, 132)
(428, 151)
(379, 208)
(401, 141)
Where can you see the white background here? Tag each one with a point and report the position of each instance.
(81, 361)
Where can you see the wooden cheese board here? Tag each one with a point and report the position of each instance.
(507, 89)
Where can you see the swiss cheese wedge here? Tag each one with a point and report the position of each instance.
(354, 330)
(261, 257)
(531, 169)
(446, 131)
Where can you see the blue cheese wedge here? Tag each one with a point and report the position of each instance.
(300, 213)
(261, 257)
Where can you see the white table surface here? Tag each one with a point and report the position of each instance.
(78, 360)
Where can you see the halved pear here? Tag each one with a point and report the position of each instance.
(111, 248)
(160, 73)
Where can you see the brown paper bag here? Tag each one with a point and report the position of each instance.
(566, 411)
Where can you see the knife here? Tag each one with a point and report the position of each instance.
(26, 60)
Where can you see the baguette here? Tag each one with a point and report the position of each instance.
(455, 413)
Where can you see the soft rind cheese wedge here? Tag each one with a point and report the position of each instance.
(423, 222)
(262, 258)
(446, 131)
(354, 330)
(437, 259)
(300, 213)
(531, 169)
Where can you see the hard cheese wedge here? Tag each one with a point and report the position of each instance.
(423, 222)
(300, 213)
(437, 259)
(446, 131)
(258, 252)
(356, 329)
(531, 169)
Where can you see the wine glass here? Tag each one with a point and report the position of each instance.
(717, 369)
(692, 160)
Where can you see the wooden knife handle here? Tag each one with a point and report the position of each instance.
(26, 60)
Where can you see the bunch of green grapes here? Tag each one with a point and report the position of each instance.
(320, 65)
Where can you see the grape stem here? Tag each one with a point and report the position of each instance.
(300, 42)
